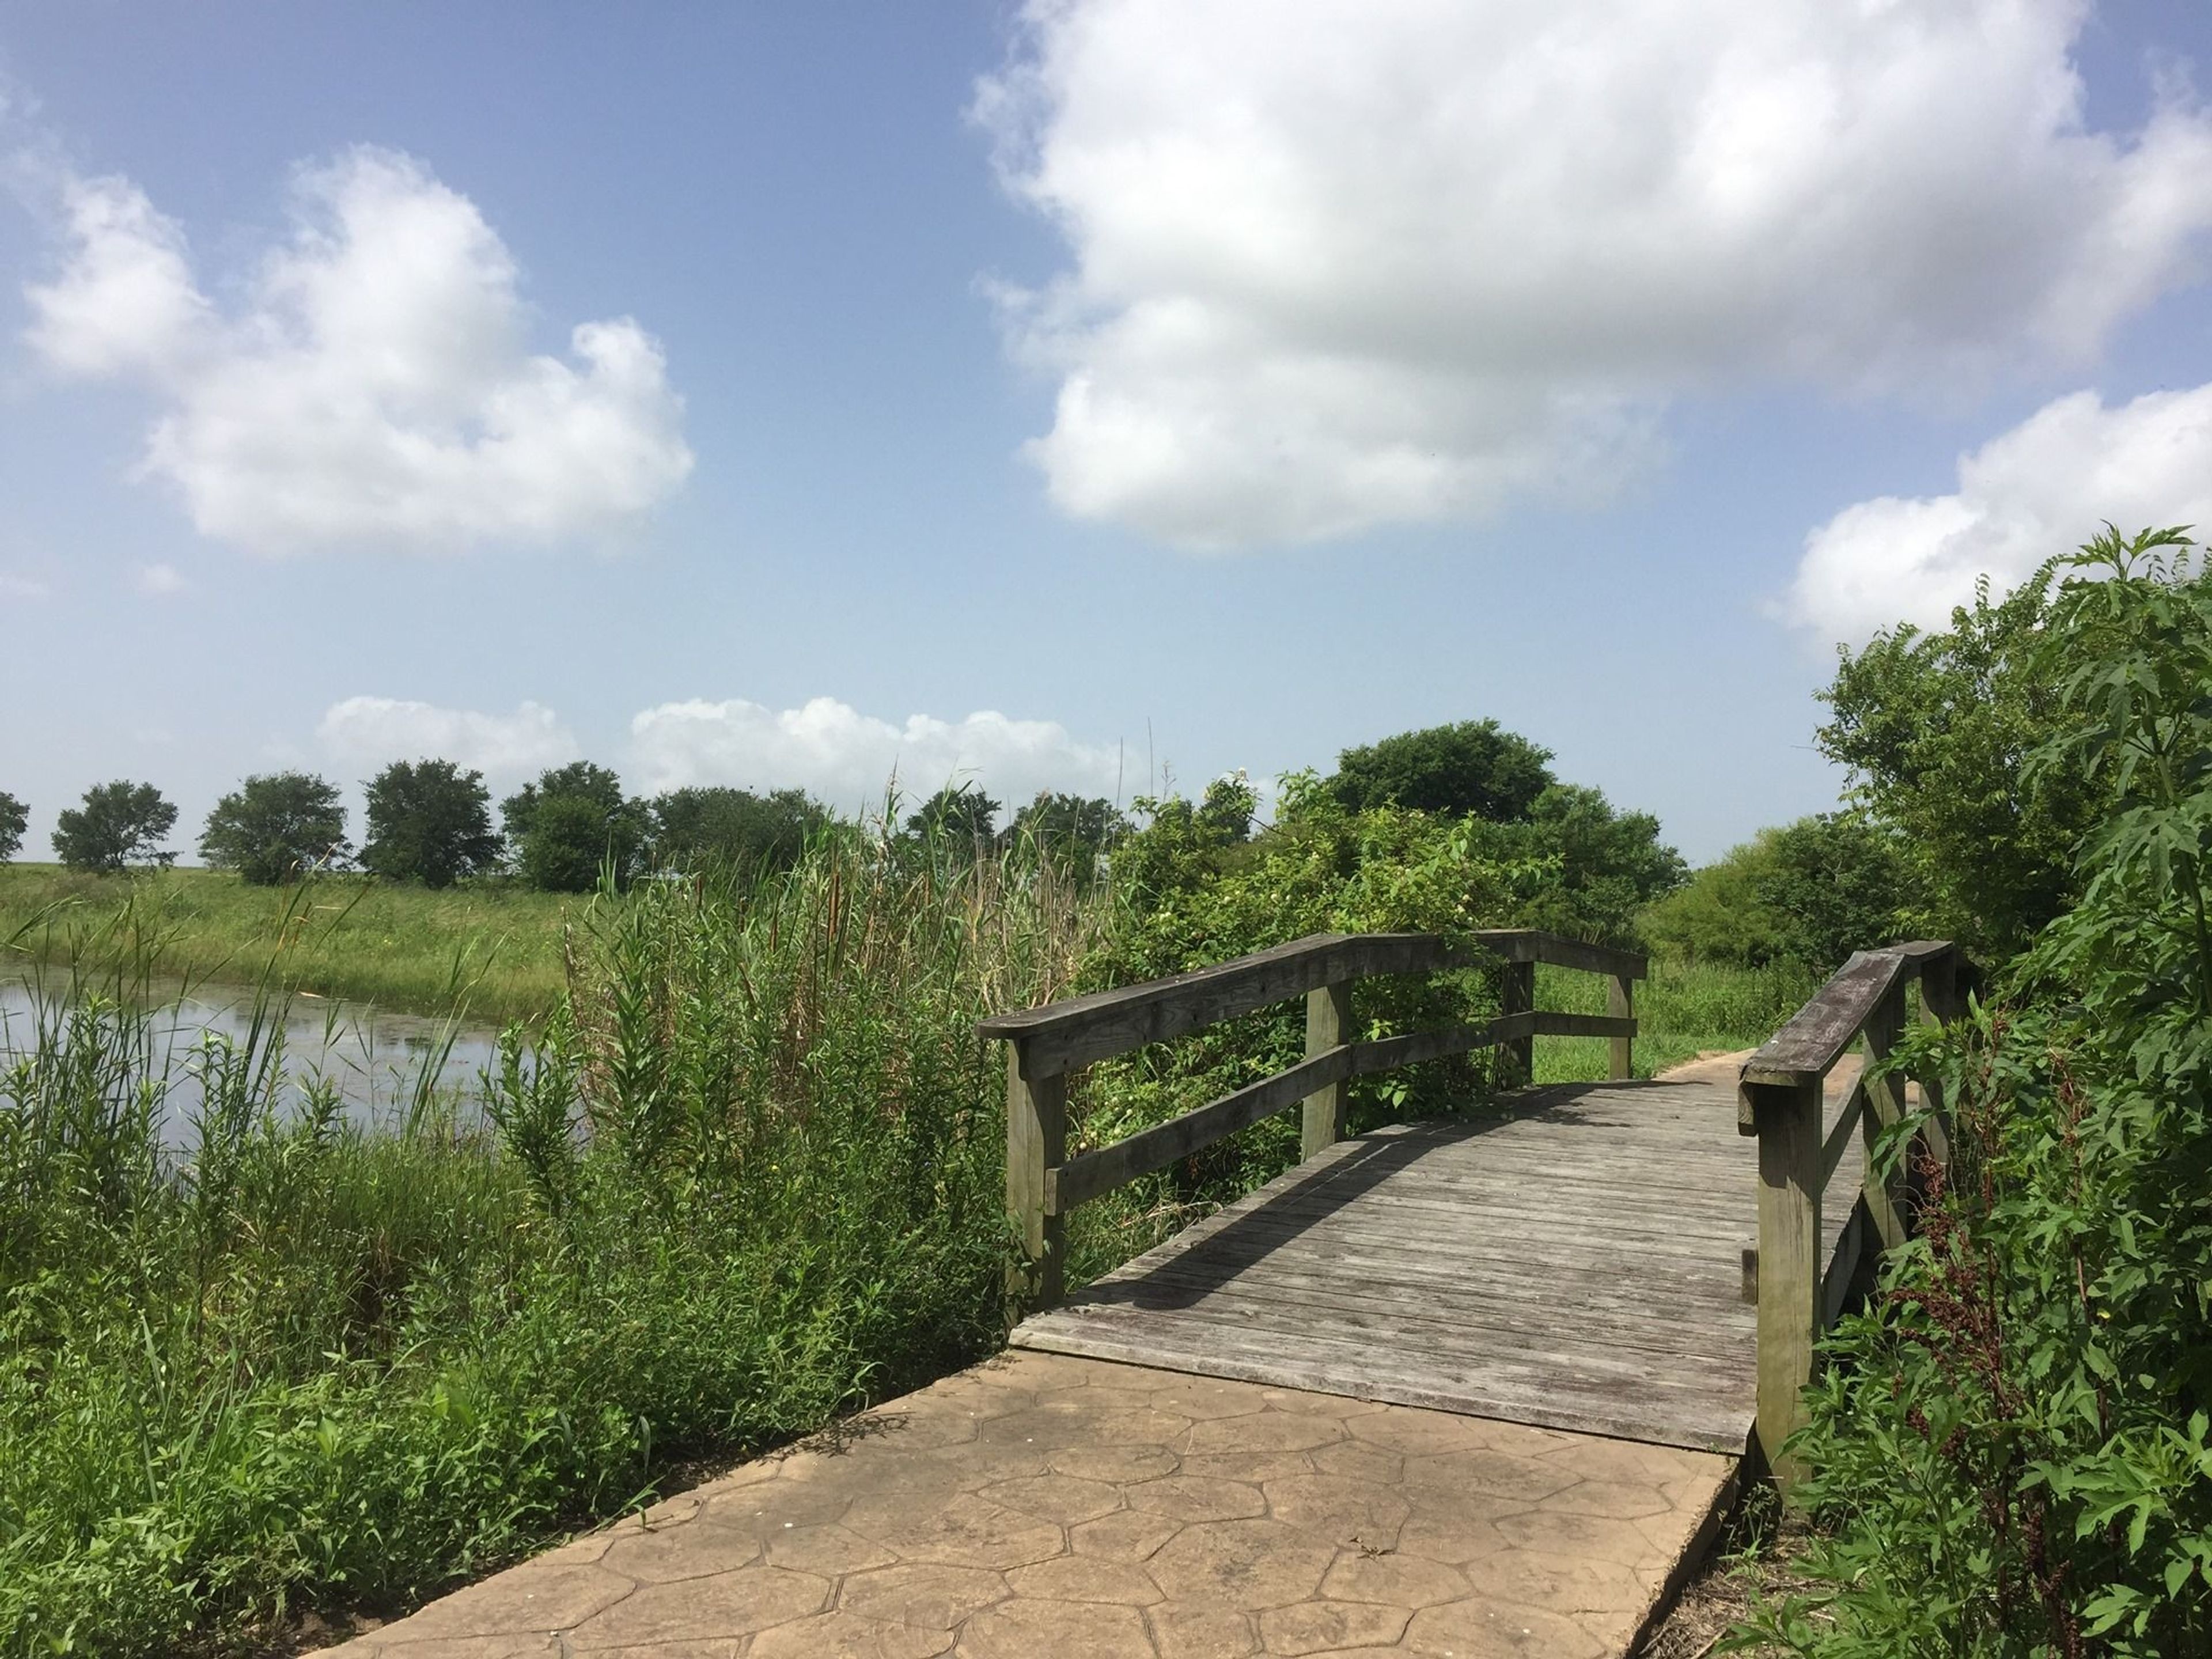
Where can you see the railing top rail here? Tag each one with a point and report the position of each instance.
(1807, 1047)
(1060, 1036)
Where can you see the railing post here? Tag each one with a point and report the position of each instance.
(1787, 1120)
(1329, 1017)
(1620, 1003)
(1519, 998)
(1036, 1141)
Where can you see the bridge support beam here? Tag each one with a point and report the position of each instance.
(1037, 1142)
(1620, 1003)
(1328, 1023)
(1787, 1120)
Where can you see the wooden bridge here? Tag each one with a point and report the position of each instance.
(1470, 1385)
(1601, 1258)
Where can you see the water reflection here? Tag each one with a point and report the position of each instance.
(380, 1066)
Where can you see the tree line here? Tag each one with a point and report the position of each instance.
(431, 822)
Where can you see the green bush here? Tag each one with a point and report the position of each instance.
(1935, 730)
(14, 816)
(696, 829)
(430, 822)
(120, 823)
(1474, 769)
(300, 1364)
(275, 828)
(2010, 1446)
(1810, 892)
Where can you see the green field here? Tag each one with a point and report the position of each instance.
(490, 950)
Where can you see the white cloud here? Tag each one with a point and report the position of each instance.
(1336, 265)
(374, 387)
(159, 581)
(22, 587)
(846, 758)
(2042, 488)
(368, 733)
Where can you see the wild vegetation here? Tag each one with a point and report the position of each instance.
(2010, 1447)
(746, 1174)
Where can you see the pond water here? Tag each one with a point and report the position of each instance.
(379, 1063)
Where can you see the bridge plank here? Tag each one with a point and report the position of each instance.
(1577, 1265)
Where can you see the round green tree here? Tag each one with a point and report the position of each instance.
(276, 828)
(430, 822)
(120, 823)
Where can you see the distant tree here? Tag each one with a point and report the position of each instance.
(962, 816)
(14, 817)
(120, 823)
(1073, 832)
(430, 822)
(1935, 729)
(581, 779)
(276, 828)
(736, 828)
(1607, 866)
(1475, 768)
(562, 829)
(1810, 892)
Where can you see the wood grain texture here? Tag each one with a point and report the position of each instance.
(1328, 1022)
(1071, 1033)
(1082, 1179)
(1577, 1264)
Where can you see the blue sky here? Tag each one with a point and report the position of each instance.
(1051, 395)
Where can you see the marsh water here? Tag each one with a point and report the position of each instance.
(380, 1067)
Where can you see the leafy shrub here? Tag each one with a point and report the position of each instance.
(2011, 1445)
(276, 828)
(430, 822)
(1809, 892)
(570, 823)
(120, 823)
(696, 828)
(1475, 767)
(297, 1363)
(1935, 730)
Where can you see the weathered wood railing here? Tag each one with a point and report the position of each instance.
(1780, 1100)
(1046, 1045)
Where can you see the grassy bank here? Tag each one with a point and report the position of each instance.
(492, 947)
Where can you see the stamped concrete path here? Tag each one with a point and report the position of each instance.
(1042, 1506)
(1237, 1446)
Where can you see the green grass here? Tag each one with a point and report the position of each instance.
(492, 947)
(1683, 1009)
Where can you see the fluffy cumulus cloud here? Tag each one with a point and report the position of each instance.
(373, 386)
(367, 734)
(2040, 489)
(846, 758)
(1336, 265)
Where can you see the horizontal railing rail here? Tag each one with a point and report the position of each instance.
(1046, 1045)
(1780, 1096)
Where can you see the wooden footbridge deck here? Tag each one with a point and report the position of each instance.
(1588, 1259)
(1473, 1386)
(1578, 1264)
